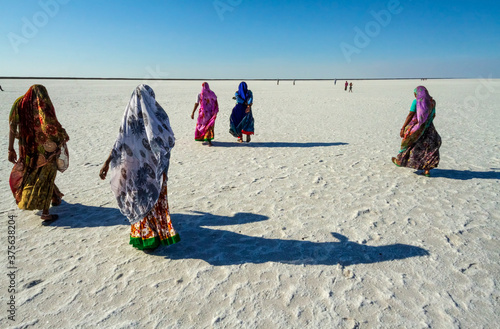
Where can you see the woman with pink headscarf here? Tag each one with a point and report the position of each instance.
(207, 100)
(421, 142)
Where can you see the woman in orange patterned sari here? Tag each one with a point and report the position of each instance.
(42, 152)
(138, 166)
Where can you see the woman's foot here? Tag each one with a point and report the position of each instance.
(210, 143)
(427, 173)
(49, 217)
(239, 140)
(56, 201)
(395, 161)
(248, 139)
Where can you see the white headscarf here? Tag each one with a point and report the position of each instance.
(141, 154)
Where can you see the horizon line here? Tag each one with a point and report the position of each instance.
(228, 79)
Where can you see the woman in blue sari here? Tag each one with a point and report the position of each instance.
(241, 121)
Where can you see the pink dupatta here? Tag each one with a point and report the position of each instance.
(208, 112)
(426, 111)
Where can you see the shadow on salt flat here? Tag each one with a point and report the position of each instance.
(464, 174)
(219, 247)
(275, 144)
(76, 215)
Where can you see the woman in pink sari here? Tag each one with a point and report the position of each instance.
(207, 115)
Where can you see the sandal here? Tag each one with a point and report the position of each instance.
(239, 140)
(48, 219)
(427, 174)
(395, 161)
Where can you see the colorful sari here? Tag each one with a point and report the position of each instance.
(156, 228)
(42, 150)
(139, 166)
(208, 113)
(421, 142)
(240, 121)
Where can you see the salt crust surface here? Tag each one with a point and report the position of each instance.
(308, 226)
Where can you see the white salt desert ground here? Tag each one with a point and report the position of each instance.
(308, 226)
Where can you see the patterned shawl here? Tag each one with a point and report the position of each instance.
(208, 111)
(141, 154)
(426, 111)
(41, 136)
(424, 107)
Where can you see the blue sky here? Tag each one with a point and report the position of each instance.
(246, 39)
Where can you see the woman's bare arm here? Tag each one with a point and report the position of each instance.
(12, 153)
(105, 167)
(194, 110)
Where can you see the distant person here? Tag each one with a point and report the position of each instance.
(42, 152)
(139, 166)
(1, 88)
(421, 142)
(278, 82)
(350, 87)
(209, 108)
(335, 82)
(241, 121)
(294, 82)
(346, 84)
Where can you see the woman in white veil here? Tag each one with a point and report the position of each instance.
(138, 165)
